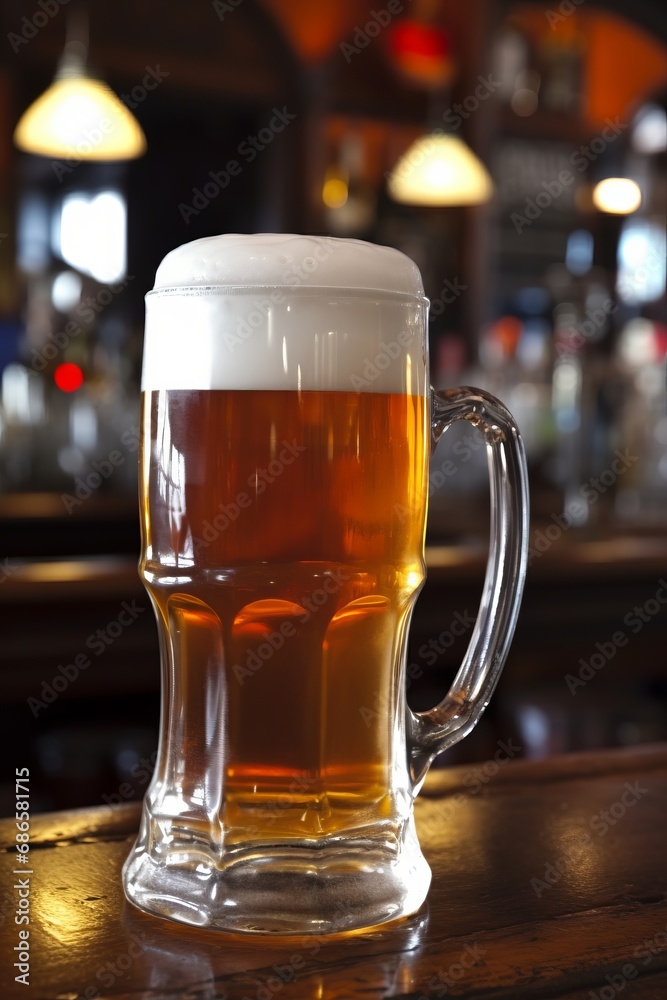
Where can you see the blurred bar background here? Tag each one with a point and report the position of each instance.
(547, 288)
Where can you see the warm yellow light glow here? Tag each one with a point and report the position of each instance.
(78, 117)
(334, 192)
(440, 170)
(618, 195)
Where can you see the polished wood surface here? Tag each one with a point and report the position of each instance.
(549, 881)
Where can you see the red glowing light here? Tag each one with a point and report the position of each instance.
(415, 39)
(68, 377)
(422, 52)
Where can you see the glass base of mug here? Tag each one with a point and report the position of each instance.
(284, 889)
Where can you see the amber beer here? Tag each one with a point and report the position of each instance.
(286, 429)
(284, 569)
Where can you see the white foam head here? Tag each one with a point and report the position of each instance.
(285, 312)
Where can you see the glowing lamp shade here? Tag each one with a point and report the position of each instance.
(617, 195)
(80, 117)
(440, 170)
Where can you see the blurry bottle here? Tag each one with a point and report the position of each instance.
(560, 57)
(349, 199)
(641, 428)
(510, 61)
(568, 402)
(519, 79)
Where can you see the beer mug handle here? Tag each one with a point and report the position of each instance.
(431, 732)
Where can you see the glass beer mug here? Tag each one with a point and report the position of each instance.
(287, 422)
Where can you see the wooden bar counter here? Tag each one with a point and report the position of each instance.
(549, 881)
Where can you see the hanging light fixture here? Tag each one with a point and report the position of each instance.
(440, 170)
(79, 116)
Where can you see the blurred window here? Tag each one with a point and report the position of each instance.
(90, 233)
(642, 250)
